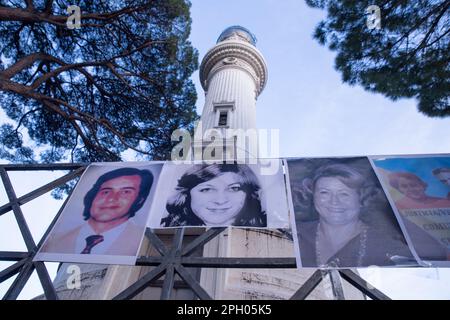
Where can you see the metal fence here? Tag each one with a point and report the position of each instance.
(173, 260)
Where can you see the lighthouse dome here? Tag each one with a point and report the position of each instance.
(237, 32)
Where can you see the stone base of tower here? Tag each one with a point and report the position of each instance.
(261, 284)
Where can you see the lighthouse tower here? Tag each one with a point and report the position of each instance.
(233, 74)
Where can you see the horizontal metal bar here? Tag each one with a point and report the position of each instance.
(260, 263)
(362, 285)
(211, 262)
(178, 284)
(43, 166)
(149, 261)
(42, 190)
(5, 208)
(12, 255)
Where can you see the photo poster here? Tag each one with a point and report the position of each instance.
(342, 218)
(419, 190)
(202, 194)
(105, 218)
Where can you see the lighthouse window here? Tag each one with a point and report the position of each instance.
(223, 118)
(222, 113)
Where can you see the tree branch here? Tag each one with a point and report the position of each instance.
(38, 69)
(32, 58)
(30, 5)
(423, 42)
(31, 16)
(89, 120)
(48, 6)
(19, 123)
(430, 31)
(146, 44)
(26, 62)
(65, 67)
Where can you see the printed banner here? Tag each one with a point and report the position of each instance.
(221, 195)
(344, 212)
(419, 188)
(342, 217)
(106, 216)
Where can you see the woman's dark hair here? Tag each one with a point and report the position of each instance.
(144, 189)
(179, 205)
(352, 178)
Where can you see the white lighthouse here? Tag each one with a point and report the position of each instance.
(233, 73)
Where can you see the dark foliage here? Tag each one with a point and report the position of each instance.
(407, 57)
(120, 82)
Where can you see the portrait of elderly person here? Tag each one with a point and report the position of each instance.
(112, 201)
(443, 175)
(414, 193)
(342, 199)
(216, 195)
(413, 190)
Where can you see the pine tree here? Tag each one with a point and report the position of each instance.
(119, 82)
(408, 56)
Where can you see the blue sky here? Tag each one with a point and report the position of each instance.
(317, 115)
(304, 98)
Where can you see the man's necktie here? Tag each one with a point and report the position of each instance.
(92, 241)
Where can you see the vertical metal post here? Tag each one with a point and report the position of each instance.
(336, 284)
(46, 282)
(174, 253)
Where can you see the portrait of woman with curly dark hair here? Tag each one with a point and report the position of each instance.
(216, 195)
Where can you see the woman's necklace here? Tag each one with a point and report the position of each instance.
(335, 262)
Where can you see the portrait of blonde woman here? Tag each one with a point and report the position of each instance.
(342, 215)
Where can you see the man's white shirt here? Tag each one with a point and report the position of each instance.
(109, 237)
